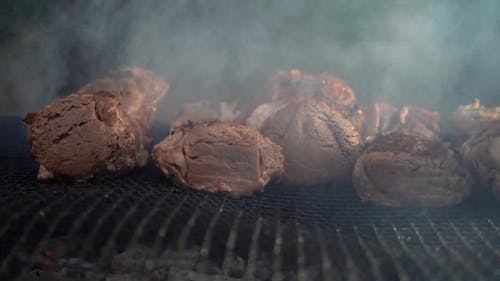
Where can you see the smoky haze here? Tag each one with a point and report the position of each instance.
(436, 55)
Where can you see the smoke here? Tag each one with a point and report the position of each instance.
(426, 53)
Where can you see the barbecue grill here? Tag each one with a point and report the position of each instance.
(139, 224)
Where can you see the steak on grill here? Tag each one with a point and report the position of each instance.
(383, 119)
(482, 154)
(102, 127)
(401, 170)
(219, 157)
(319, 144)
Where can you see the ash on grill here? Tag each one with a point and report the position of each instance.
(139, 262)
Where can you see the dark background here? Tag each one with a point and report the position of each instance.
(437, 54)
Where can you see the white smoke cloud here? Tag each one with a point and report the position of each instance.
(432, 54)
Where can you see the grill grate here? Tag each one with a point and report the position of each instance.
(282, 234)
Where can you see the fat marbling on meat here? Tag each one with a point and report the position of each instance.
(401, 170)
(219, 157)
(102, 127)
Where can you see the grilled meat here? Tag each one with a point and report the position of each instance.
(219, 157)
(401, 170)
(102, 127)
(472, 118)
(375, 119)
(383, 119)
(287, 85)
(482, 154)
(319, 144)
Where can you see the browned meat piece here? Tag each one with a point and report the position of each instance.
(286, 85)
(140, 91)
(474, 117)
(203, 111)
(102, 127)
(482, 154)
(383, 119)
(219, 157)
(319, 144)
(401, 170)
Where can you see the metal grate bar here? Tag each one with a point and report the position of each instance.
(455, 254)
(351, 271)
(462, 238)
(278, 243)
(110, 244)
(423, 266)
(181, 242)
(374, 262)
(7, 208)
(52, 227)
(252, 255)
(326, 264)
(231, 241)
(28, 228)
(280, 234)
(9, 224)
(160, 235)
(25, 209)
(484, 264)
(66, 212)
(207, 240)
(486, 242)
(95, 229)
(162, 230)
(302, 274)
(74, 225)
(301, 256)
(142, 224)
(436, 258)
(497, 230)
(399, 268)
